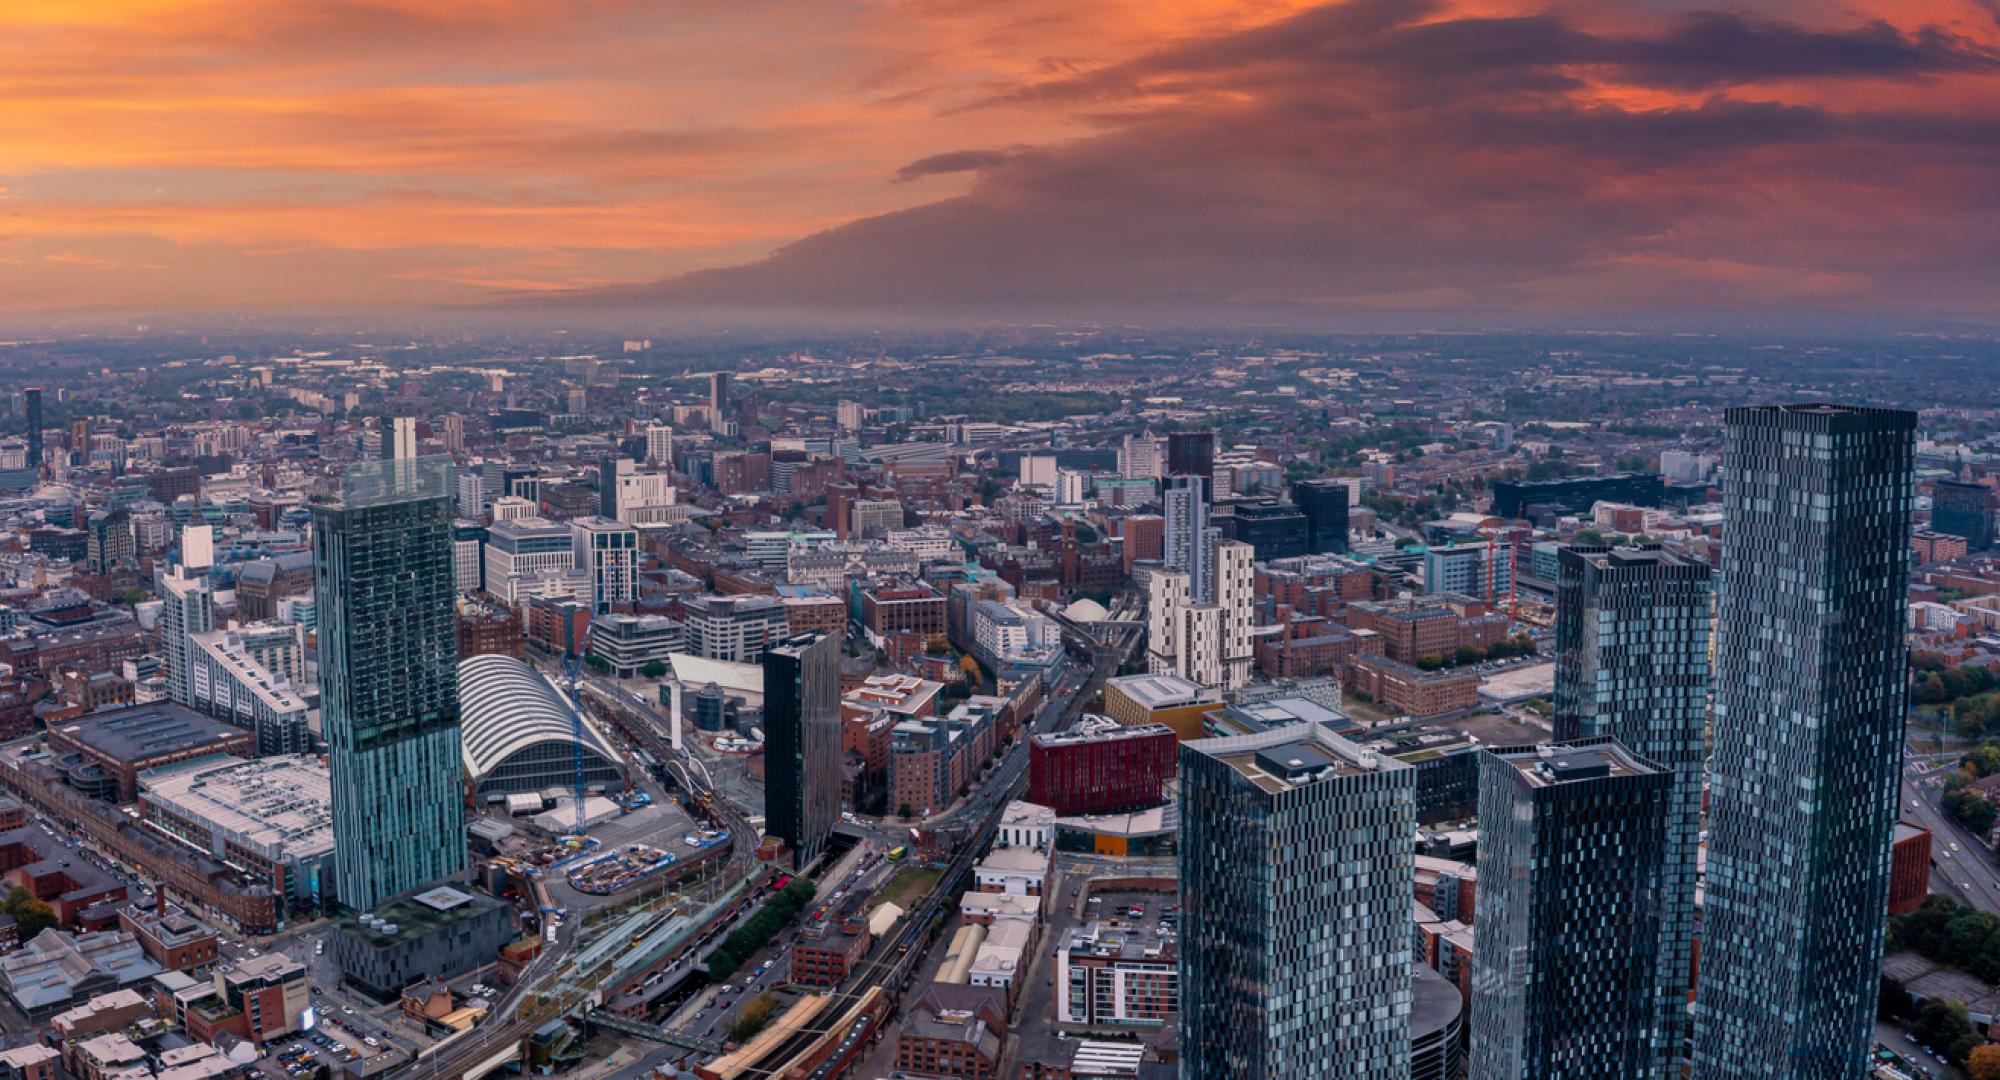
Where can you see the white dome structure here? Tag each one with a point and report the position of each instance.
(519, 733)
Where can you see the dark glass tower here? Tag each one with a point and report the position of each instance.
(802, 742)
(388, 648)
(1324, 503)
(1963, 509)
(1572, 865)
(1192, 453)
(31, 398)
(1295, 868)
(1632, 632)
(1811, 670)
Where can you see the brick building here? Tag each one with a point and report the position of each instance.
(1100, 767)
(1404, 688)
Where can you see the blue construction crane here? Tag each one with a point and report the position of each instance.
(573, 671)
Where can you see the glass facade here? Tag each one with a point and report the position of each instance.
(1632, 636)
(802, 759)
(1811, 677)
(388, 648)
(1295, 868)
(1572, 872)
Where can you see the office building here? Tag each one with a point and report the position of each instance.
(520, 549)
(718, 397)
(1962, 509)
(1324, 504)
(1296, 943)
(628, 643)
(802, 743)
(101, 754)
(388, 653)
(1274, 530)
(1572, 865)
(1811, 680)
(608, 470)
(607, 550)
(874, 517)
(1484, 571)
(400, 442)
(1632, 645)
(734, 628)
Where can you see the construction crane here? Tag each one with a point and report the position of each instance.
(573, 672)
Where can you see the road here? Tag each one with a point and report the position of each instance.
(1968, 875)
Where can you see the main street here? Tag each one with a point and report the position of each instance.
(1969, 874)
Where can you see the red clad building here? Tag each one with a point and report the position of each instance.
(1100, 767)
(1909, 869)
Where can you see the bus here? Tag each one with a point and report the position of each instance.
(896, 853)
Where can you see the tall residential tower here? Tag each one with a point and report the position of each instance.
(802, 742)
(1296, 943)
(1572, 864)
(1632, 632)
(388, 648)
(1811, 680)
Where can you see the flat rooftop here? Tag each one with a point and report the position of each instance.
(156, 729)
(1297, 756)
(1548, 765)
(281, 806)
(1163, 691)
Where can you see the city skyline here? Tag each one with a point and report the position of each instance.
(1571, 161)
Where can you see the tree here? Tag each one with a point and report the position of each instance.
(1929, 689)
(1984, 759)
(905, 812)
(752, 1018)
(1984, 1062)
(1467, 654)
(1587, 536)
(1947, 1026)
(654, 669)
(31, 915)
(969, 667)
(1429, 663)
(1971, 809)
(598, 664)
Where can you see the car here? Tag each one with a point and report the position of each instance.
(371, 1040)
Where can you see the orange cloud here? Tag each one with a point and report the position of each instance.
(336, 153)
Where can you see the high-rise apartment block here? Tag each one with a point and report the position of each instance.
(607, 552)
(1632, 645)
(1204, 641)
(388, 648)
(802, 742)
(1811, 681)
(1296, 942)
(1572, 864)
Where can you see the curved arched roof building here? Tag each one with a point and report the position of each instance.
(519, 732)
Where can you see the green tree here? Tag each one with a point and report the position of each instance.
(654, 669)
(752, 1018)
(1928, 689)
(1587, 536)
(1947, 1026)
(1467, 654)
(1430, 663)
(1984, 759)
(31, 915)
(1971, 809)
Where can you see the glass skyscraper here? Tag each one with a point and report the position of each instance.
(1295, 868)
(1810, 693)
(1572, 868)
(802, 759)
(1632, 634)
(388, 648)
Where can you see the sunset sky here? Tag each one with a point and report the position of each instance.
(1569, 158)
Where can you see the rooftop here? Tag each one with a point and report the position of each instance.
(1567, 763)
(1286, 758)
(156, 729)
(280, 806)
(1163, 691)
